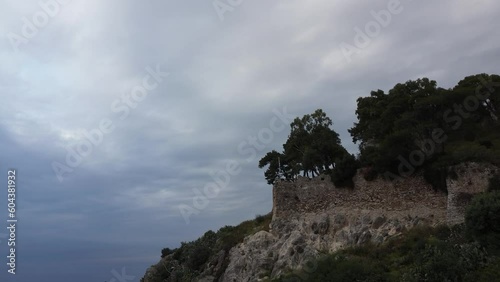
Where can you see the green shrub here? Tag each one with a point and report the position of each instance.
(422, 254)
(487, 274)
(343, 269)
(442, 232)
(482, 219)
(165, 252)
(494, 183)
(437, 262)
(345, 169)
(180, 254)
(436, 177)
(260, 218)
(198, 257)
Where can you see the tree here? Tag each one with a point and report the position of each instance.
(396, 123)
(403, 121)
(312, 148)
(272, 160)
(312, 144)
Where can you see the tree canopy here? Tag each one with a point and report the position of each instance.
(415, 125)
(312, 148)
(446, 125)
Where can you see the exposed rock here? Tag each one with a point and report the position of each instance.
(273, 254)
(470, 179)
(312, 217)
(252, 259)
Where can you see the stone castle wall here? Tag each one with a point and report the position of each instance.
(306, 195)
(466, 180)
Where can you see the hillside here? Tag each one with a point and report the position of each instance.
(306, 224)
(428, 158)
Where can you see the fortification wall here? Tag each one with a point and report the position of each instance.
(464, 182)
(319, 194)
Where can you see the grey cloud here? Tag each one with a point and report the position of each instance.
(226, 77)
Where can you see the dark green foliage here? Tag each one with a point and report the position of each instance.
(165, 252)
(312, 148)
(193, 256)
(436, 177)
(494, 183)
(260, 218)
(423, 254)
(276, 163)
(417, 117)
(442, 261)
(344, 269)
(415, 122)
(180, 254)
(344, 170)
(393, 124)
(482, 219)
(489, 273)
(229, 236)
(198, 257)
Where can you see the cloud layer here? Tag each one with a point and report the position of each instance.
(119, 207)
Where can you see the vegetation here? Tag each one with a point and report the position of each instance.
(423, 254)
(419, 125)
(312, 148)
(494, 184)
(415, 126)
(189, 260)
(467, 252)
(483, 220)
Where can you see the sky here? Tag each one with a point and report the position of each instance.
(135, 125)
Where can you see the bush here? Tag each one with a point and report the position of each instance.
(338, 268)
(436, 177)
(370, 174)
(437, 262)
(488, 273)
(342, 269)
(422, 254)
(180, 254)
(165, 252)
(260, 218)
(198, 257)
(345, 169)
(482, 219)
(494, 184)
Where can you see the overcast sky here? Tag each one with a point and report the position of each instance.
(173, 92)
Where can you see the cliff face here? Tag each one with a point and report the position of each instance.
(312, 217)
(295, 241)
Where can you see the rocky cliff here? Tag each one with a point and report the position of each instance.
(312, 217)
